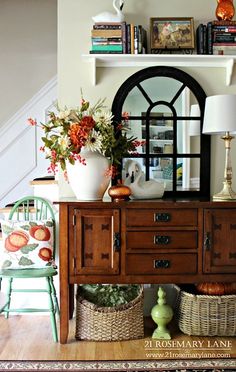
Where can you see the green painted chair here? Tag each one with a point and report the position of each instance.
(24, 211)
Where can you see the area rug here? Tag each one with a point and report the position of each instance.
(211, 365)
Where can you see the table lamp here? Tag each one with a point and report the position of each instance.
(220, 117)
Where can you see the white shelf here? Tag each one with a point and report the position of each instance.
(175, 60)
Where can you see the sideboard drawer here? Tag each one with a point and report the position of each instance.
(161, 217)
(161, 264)
(161, 239)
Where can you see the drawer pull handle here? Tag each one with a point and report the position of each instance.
(161, 239)
(207, 241)
(116, 242)
(162, 217)
(161, 264)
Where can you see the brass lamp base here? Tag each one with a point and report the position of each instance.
(226, 193)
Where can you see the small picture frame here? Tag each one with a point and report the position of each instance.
(171, 33)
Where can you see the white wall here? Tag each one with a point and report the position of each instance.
(28, 51)
(74, 26)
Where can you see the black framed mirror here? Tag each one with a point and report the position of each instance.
(166, 107)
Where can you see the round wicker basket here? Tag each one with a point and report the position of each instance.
(123, 322)
(204, 315)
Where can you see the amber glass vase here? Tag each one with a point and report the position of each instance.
(225, 10)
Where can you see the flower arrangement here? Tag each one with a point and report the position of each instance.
(68, 131)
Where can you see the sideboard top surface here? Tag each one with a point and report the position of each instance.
(148, 203)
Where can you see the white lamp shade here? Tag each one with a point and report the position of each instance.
(194, 125)
(220, 114)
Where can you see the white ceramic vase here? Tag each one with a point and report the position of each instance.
(90, 181)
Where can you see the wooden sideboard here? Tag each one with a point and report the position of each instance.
(151, 241)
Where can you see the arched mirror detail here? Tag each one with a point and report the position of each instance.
(165, 107)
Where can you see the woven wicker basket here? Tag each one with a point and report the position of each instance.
(203, 315)
(123, 322)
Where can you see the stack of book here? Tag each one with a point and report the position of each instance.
(224, 37)
(118, 38)
(217, 37)
(107, 37)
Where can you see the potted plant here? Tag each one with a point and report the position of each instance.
(85, 140)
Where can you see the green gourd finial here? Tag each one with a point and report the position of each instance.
(162, 315)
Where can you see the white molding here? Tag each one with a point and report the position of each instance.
(33, 108)
(31, 103)
(18, 122)
(14, 143)
(176, 60)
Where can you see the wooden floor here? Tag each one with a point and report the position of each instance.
(29, 337)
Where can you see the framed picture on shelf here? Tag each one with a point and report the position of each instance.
(171, 33)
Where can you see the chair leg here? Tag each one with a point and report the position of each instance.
(52, 311)
(56, 306)
(0, 283)
(8, 293)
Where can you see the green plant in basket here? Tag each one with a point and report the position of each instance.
(110, 295)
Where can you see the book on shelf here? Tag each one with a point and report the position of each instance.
(124, 37)
(201, 39)
(106, 33)
(108, 26)
(105, 52)
(128, 39)
(106, 41)
(224, 38)
(209, 37)
(132, 38)
(224, 48)
(111, 48)
(143, 41)
(140, 40)
(223, 23)
(224, 28)
(136, 37)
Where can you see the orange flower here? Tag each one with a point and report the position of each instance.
(78, 135)
(79, 131)
(88, 122)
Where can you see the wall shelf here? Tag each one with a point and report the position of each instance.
(175, 60)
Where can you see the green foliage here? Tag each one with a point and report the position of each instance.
(24, 261)
(7, 229)
(25, 227)
(109, 295)
(28, 248)
(6, 264)
(32, 223)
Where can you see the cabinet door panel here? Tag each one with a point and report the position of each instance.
(95, 248)
(219, 240)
